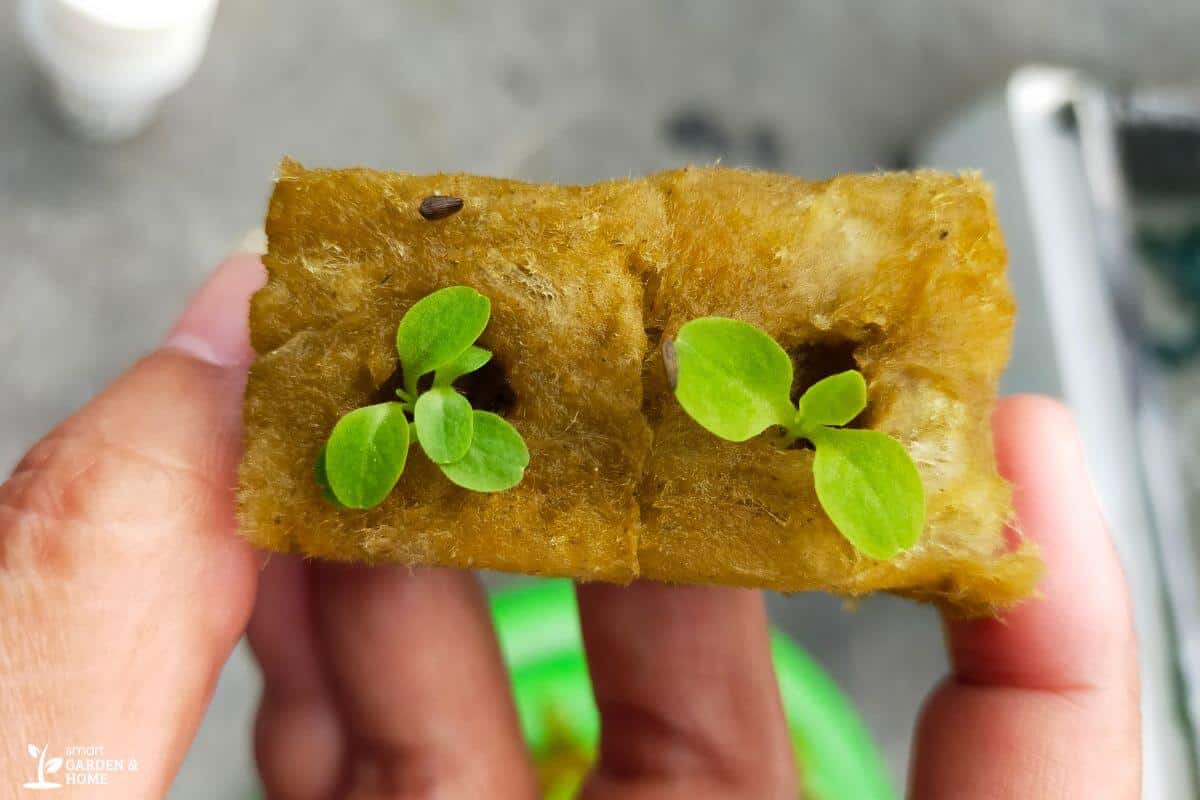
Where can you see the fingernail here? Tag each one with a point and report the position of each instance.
(214, 326)
(253, 241)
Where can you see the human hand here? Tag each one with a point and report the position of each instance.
(1044, 701)
(123, 588)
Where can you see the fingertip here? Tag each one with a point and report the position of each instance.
(1077, 629)
(1039, 451)
(1018, 405)
(1030, 418)
(214, 326)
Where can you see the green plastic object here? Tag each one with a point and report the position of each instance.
(538, 628)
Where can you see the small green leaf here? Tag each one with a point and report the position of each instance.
(870, 488)
(366, 454)
(834, 400)
(471, 359)
(496, 459)
(732, 378)
(444, 424)
(323, 478)
(438, 328)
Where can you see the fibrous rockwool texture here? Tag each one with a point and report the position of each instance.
(899, 275)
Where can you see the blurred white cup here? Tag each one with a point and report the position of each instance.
(108, 64)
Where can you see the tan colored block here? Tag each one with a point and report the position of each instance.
(899, 275)
(348, 253)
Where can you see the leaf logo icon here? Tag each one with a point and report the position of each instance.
(45, 767)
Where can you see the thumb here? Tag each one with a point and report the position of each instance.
(123, 584)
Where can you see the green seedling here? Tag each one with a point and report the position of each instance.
(444, 423)
(735, 381)
(496, 460)
(368, 448)
(366, 454)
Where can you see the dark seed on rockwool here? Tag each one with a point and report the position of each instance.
(440, 206)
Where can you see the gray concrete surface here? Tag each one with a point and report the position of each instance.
(100, 246)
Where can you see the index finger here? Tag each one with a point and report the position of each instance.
(1043, 701)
